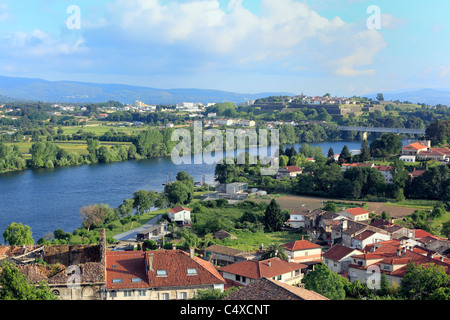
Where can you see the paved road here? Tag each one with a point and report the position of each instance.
(131, 235)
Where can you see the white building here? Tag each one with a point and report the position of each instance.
(180, 215)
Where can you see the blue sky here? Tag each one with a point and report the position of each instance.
(309, 46)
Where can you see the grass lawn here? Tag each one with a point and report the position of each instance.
(251, 241)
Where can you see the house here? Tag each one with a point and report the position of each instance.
(73, 272)
(415, 174)
(408, 158)
(151, 232)
(386, 171)
(413, 149)
(392, 260)
(347, 229)
(355, 214)
(245, 272)
(222, 234)
(436, 154)
(338, 258)
(302, 251)
(236, 187)
(223, 256)
(158, 275)
(288, 172)
(269, 289)
(368, 237)
(296, 218)
(394, 230)
(180, 215)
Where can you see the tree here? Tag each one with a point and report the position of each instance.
(15, 286)
(330, 155)
(17, 234)
(421, 281)
(126, 208)
(273, 216)
(93, 216)
(446, 228)
(380, 97)
(438, 132)
(142, 201)
(365, 152)
(330, 206)
(178, 193)
(345, 156)
(325, 282)
(274, 250)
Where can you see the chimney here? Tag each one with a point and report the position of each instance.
(150, 262)
(344, 224)
(399, 251)
(191, 252)
(174, 246)
(269, 263)
(302, 238)
(442, 259)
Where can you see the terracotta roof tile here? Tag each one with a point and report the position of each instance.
(268, 289)
(300, 245)
(266, 268)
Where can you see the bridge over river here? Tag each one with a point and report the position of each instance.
(384, 130)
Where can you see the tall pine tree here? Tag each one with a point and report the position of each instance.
(273, 217)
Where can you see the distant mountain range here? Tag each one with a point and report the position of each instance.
(428, 96)
(13, 88)
(32, 89)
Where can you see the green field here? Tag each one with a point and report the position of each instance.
(102, 128)
(79, 147)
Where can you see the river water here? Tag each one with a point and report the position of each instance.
(50, 199)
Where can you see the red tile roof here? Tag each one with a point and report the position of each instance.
(266, 268)
(129, 265)
(125, 265)
(338, 252)
(300, 245)
(356, 211)
(419, 233)
(292, 169)
(178, 209)
(364, 235)
(415, 146)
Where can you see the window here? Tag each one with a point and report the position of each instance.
(113, 294)
(164, 296)
(114, 266)
(142, 293)
(136, 280)
(161, 273)
(117, 281)
(238, 277)
(244, 279)
(192, 272)
(182, 295)
(127, 293)
(279, 277)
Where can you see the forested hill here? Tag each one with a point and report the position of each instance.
(72, 92)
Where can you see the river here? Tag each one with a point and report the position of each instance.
(50, 199)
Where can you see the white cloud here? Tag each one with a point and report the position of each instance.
(388, 21)
(39, 43)
(284, 30)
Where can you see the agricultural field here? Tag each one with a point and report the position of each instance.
(79, 147)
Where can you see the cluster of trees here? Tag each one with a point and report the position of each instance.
(11, 158)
